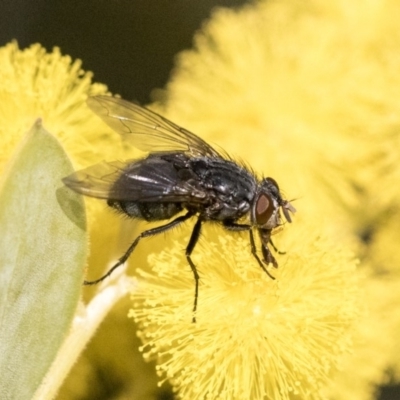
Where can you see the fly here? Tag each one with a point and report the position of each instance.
(182, 177)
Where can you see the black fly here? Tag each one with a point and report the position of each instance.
(181, 173)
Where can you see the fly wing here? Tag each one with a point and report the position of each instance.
(147, 130)
(96, 180)
(147, 180)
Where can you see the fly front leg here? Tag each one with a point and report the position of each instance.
(232, 226)
(275, 248)
(267, 259)
(265, 236)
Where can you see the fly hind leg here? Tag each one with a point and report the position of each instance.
(147, 233)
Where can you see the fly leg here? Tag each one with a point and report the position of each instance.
(265, 236)
(275, 248)
(268, 257)
(189, 249)
(232, 226)
(149, 232)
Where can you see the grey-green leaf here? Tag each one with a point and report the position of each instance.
(43, 250)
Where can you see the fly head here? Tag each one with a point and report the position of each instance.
(267, 205)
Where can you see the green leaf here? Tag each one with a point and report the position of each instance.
(43, 250)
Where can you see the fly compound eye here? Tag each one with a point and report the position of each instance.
(264, 209)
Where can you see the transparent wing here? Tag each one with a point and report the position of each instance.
(96, 180)
(139, 180)
(147, 130)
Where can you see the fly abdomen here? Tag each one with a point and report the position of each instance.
(147, 211)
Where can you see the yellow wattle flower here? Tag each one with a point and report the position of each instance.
(307, 92)
(255, 338)
(39, 84)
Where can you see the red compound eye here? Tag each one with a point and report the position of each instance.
(264, 209)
